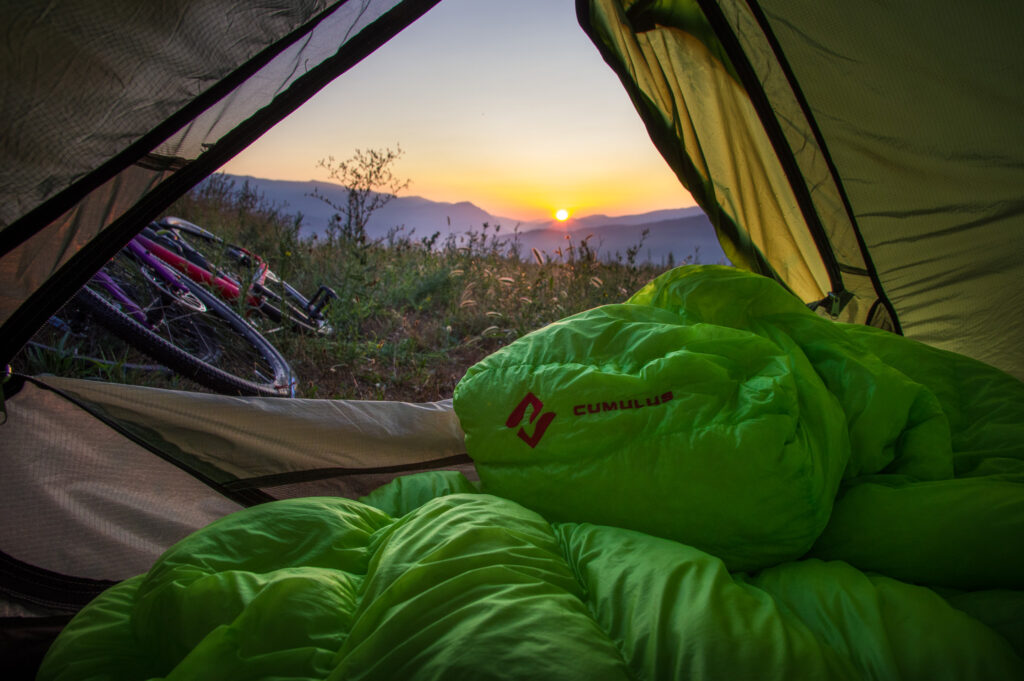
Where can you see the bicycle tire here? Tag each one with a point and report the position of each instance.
(260, 369)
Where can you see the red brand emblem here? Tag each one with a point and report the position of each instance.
(516, 417)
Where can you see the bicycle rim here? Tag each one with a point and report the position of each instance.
(190, 331)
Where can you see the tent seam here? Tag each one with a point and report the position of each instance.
(798, 94)
(773, 131)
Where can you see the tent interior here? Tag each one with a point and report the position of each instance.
(867, 157)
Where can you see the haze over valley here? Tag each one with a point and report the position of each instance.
(675, 233)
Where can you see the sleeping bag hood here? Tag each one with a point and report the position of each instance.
(712, 408)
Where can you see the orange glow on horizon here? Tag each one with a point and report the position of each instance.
(503, 190)
(503, 194)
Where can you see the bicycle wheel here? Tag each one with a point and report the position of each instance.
(185, 327)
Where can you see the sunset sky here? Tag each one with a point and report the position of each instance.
(504, 104)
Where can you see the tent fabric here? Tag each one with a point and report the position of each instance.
(98, 480)
(713, 408)
(237, 439)
(429, 579)
(865, 154)
(83, 506)
(113, 110)
(127, 525)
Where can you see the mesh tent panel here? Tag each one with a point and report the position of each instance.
(130, 105)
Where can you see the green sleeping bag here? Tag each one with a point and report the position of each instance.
(464, 585)
(707, 482)
(713, 408)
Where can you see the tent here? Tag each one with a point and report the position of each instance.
(869, 157)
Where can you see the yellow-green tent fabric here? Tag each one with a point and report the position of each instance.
(868, 155)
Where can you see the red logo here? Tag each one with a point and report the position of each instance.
(516, 417)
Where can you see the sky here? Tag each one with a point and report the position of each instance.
(504, 104)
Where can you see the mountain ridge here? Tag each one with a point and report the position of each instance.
(672, 234)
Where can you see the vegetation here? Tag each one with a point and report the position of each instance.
(413, 312)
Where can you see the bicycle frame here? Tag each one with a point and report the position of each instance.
(225, 287)
(266, 293)
(129, 306)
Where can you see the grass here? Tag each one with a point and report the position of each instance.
(413, 312)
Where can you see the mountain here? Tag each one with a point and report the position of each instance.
(592, 221)
(680, 232)
(414, 212)
(680, 240)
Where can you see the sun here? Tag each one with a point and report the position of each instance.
(562, 215)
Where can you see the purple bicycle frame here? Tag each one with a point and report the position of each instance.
(128, 305)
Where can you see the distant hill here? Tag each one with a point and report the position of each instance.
(683, 237)
(682, 232)
(414, 212)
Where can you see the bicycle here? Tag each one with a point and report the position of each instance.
(266, 293)
(181, 324)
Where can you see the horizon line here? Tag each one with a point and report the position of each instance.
(547, 220)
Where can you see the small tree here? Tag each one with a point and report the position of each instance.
(371, 184)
